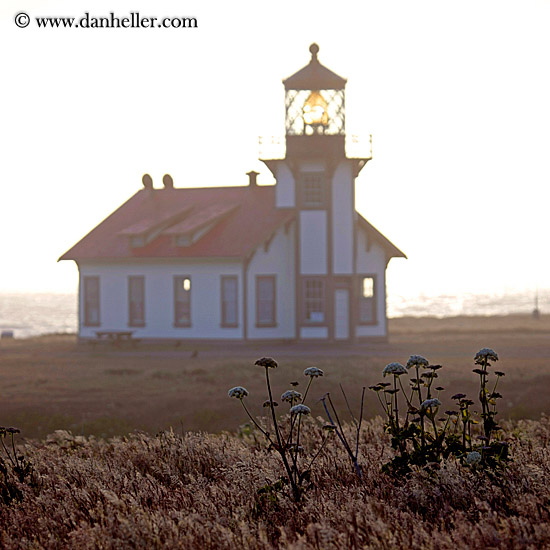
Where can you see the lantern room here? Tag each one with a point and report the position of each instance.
(314, 100)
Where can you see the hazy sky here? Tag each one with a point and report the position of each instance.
(456, 95)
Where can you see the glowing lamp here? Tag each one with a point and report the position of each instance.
(315, 110)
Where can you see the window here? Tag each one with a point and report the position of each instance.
(265, 301)
(367, 303)
(313, 190)
(182, 301)
(230, 309)
(314, 300)
(136, 301)
(91, 301)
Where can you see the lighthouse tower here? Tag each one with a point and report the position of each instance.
(317, 180)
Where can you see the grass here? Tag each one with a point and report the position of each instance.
(51, 383)
(194, 490)
(187, 489)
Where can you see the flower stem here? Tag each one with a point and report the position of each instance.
(295, 488)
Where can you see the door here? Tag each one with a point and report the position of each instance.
(341, 314)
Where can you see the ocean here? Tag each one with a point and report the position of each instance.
(32, 314)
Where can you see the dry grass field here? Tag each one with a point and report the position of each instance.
(187, 490)
(51, 383)
(200, 492)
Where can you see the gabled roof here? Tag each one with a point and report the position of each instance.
(220, 222)
(391, 250)
(314, 76)
(228, 222)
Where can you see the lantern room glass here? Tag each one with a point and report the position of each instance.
(310, 112)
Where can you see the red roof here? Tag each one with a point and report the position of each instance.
(229, 222)
(217, 222)
(384, 242)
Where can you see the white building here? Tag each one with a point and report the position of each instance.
(294, 261)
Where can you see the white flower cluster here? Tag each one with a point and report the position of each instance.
(417, 361)
(473, 458)
(300, 409)
(291, 395)
(430, 403)
(238, 392)
(313, 372)
(487, 354)
(394, 368)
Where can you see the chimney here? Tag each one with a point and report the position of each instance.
(168, 181)
(147, 181)
(252, 178)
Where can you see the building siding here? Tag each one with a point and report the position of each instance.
(278, 260)
(313, 242)
(342, 219)
(159, 298)
(285, 188)
(373, 261)
(314, 333)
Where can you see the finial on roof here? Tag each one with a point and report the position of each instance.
(314, 49)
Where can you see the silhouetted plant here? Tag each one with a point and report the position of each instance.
(425, 440)
(337, 427)
(297, 469)
(14, 465)
(493, 451)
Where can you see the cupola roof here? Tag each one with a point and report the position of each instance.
(314, 76)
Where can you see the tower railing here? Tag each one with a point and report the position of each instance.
(274, 147)
(271, 147)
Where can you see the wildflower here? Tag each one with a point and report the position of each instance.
(479, 371)
(451, 413)
(294, 384)
(430, 403)
(417, 361)
(499, 373)
(495, 395)
(434, 367)
(375, 388)
(439, 388)
(329, 427)
(13, 430)
(484, 355)
(473, 458)
(238, 392)
(313, 372)
(268, 404)
(266, 362)
(394, 368)
(291, 395)
(391, 391)
(458, 396)
(300, 409)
